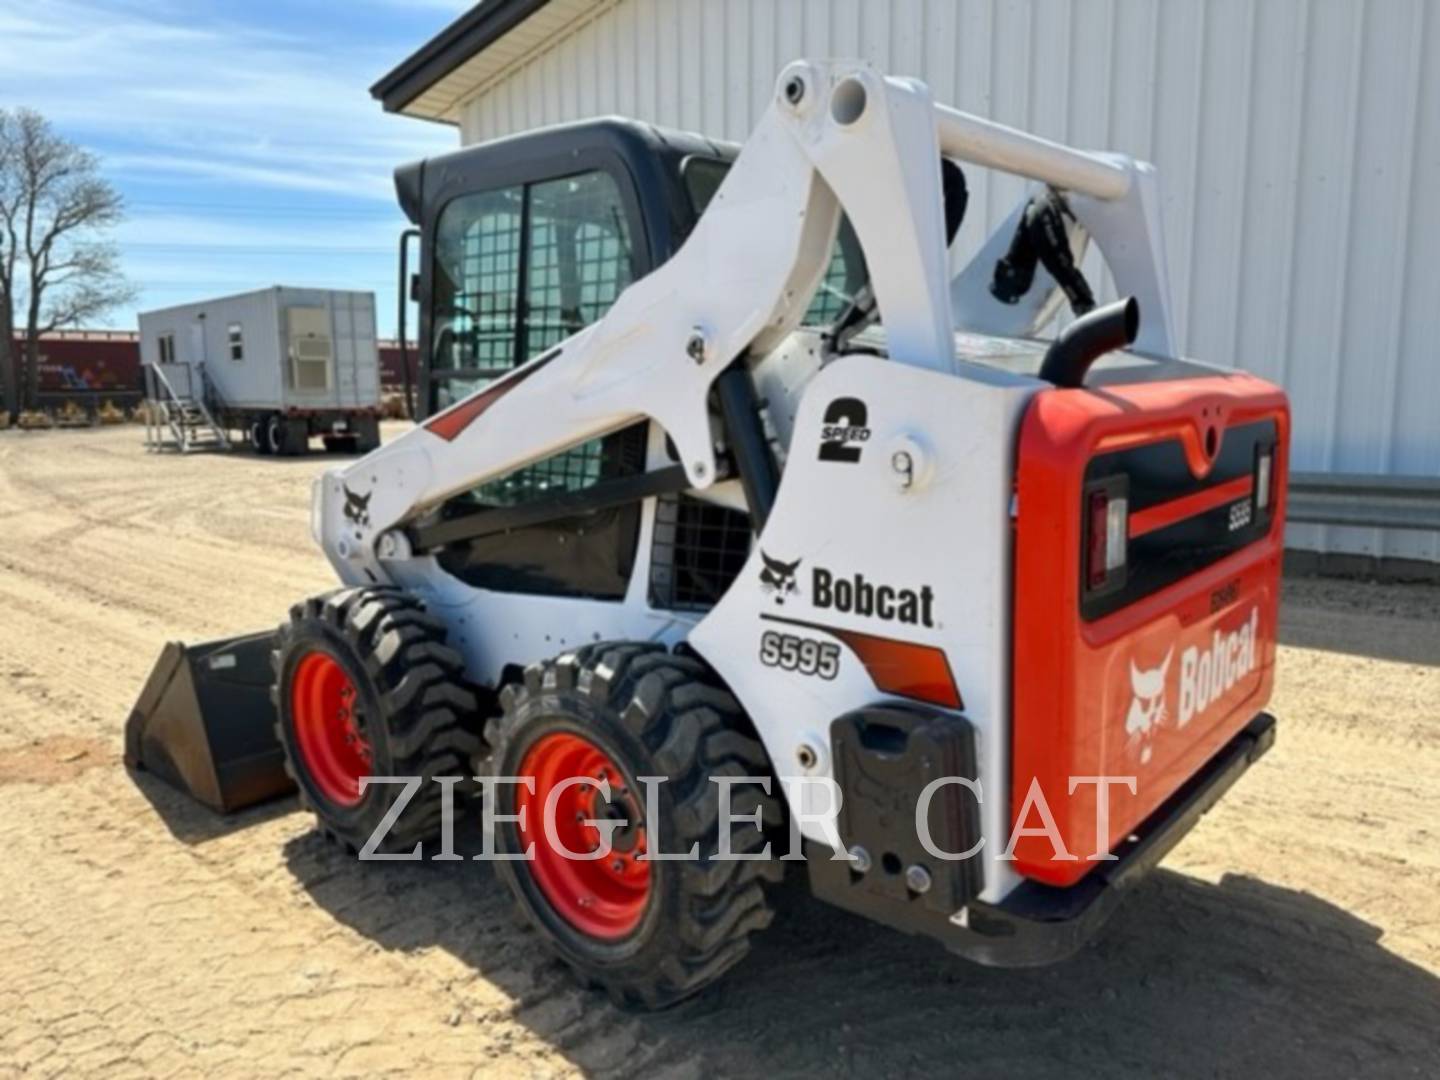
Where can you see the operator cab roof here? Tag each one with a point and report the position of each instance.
(652, 157)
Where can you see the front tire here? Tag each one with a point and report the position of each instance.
(366, 686)
(650, 932)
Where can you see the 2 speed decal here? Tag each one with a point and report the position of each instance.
(806, 656)
(845, 431)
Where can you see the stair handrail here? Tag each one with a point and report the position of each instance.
(207, 388)
(180, 432)
(166, 412)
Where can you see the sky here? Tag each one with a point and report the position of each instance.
(241, 135)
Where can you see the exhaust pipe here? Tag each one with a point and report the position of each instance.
(1088, 338)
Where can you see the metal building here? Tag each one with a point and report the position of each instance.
(1298, 144)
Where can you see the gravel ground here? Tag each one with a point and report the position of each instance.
(1296, 932)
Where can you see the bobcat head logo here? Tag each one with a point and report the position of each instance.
(357, 507)
(1147, 706)
(778, 577)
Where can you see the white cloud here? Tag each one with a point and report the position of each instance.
(350, 232)
(226, 101)
(281, 159)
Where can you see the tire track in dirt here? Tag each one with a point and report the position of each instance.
(1296, 931)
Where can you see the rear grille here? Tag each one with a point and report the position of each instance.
(699, 550)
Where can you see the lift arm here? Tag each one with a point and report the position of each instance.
(835, 136)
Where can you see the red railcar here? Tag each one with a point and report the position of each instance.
(79, 361)
(83, 363)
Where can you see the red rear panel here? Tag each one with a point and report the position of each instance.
(1147, 670)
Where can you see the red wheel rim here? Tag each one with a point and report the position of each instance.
(602, 897)
(325, 710)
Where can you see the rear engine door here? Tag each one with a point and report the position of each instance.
(1149, 534)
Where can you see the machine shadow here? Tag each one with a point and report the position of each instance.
(193, 823)
(1233, 978)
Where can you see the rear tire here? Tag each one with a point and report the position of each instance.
(287, 436)
(260, 435)
(639, 711)
(367, 433)
(366, 686)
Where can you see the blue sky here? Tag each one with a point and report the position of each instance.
(242, 135)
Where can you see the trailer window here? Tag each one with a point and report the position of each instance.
(167, 348)
(237, 341)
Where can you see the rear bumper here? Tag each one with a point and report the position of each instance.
(1040, 924)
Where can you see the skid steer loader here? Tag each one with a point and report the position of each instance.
(731, 508)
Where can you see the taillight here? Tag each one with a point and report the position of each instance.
(1264, 475)
(1108, 523)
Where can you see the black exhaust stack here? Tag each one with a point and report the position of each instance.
(1088, 338)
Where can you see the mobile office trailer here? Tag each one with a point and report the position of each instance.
(280, 365)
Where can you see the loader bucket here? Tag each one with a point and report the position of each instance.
(204, 723)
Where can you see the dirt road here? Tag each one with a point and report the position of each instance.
(1295, 932)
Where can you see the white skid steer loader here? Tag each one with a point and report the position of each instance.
(731, 508)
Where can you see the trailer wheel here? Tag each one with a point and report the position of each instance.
(366, 686)
(288, 436)
(367, 433)
(260, 435)
(650, 932)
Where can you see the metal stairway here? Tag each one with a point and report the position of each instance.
(176, 416)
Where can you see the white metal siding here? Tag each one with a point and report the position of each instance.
(1298, 143)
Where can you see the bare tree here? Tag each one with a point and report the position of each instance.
(54, 262)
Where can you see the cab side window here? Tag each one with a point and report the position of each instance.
(474, 292)
(579, 258)
(517, 271)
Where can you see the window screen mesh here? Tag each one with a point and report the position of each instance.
(620, 454)
(475, 285)
(832, 295)
(699, 549)
(579, 258)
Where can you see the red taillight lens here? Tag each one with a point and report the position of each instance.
(1107, 536)
(1095, 557)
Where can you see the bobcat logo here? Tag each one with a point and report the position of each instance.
(778, 577)
(357, 507)
(1147, 706)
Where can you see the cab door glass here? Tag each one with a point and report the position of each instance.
(579, 258)
(474, 291)
(519, 269)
